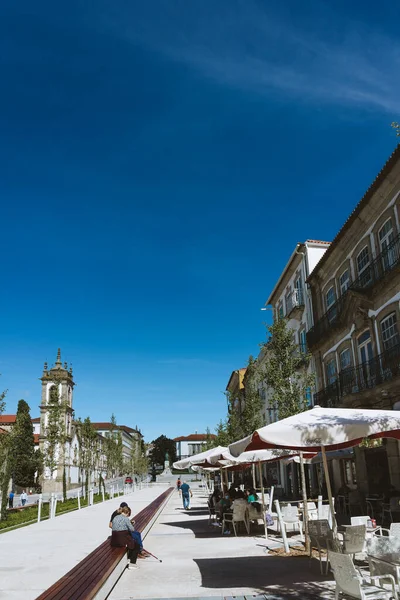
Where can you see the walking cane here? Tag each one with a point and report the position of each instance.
(159, 559)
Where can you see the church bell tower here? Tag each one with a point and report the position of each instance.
(56, 407)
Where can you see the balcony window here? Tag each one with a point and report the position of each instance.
(344, 281)
(330, 368)
(280, 311)
(308, 396)
(303, 341)
(331, 309)
(288, 302)
(364, 267)
(386, 238)
(345, 359)
(390, 334)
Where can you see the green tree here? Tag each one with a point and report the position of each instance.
(23, 462)
(161, 446)
(396, 127)
(5, 463)
(39, 466)
(251, 414)
(286, 371)
(88, 450)
(113, 449)
(54, 431)
(142, 462)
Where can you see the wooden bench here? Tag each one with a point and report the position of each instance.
(95, 576)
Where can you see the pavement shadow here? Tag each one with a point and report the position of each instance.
(277, 577)
(199, 528)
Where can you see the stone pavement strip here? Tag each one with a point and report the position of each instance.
(32, 558)
(198, 562)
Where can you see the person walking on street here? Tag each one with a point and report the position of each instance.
(178, 484)
(185, 491)
(11, 500)
(23, 497)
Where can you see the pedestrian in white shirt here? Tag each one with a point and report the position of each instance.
(23, 497)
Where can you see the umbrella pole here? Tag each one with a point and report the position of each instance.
(227, 479)
(222, 481)
(329, 489)
(305, 504)
(253, 468)
(263, 500)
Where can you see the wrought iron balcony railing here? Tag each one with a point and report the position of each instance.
(375, 272)
(368, 375)
(295, 300)
(384, 262)
(328, 320)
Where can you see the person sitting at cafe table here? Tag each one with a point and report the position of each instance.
(253, 499)
(223, 506)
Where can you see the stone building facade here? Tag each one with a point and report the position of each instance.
(355, 338)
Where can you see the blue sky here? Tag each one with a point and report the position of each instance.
(159, 161)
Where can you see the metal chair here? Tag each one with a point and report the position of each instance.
(211, 512)
(350, 582)
(238, 515)
(353, 539)
(320, 534)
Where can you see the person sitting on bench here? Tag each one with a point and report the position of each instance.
(137, 536)
(121, 536)
(116, 512)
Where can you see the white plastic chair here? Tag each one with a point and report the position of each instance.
(393, 531)
(239, 515)
(351, 583)
(290, 517)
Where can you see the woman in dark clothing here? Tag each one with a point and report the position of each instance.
(121, 536)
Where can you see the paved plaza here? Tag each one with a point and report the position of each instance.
(199, 562)
(33, 558)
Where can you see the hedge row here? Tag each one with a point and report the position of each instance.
(26, 515)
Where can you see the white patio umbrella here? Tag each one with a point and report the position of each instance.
(321, 429)
(202, 457)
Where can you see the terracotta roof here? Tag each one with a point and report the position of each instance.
(387, 167)
(36, 420)
(194, 437)
(36, 438)
(7, 419)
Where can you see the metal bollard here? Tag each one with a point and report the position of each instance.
(39, 507)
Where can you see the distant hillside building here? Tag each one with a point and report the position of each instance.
(191, 444)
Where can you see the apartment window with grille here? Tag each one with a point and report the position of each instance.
(280, 311)
(303, 341)
(390, 334)
(330, 297)
(345, 359)
(344, 281)
(288, 301)
(331, 371)
(308, 396)
(363, 266)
